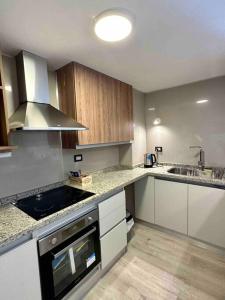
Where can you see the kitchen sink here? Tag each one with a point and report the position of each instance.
(185, 171)
(208, 173)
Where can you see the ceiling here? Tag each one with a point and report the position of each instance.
(174, 42)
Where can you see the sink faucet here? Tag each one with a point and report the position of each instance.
(201, 162)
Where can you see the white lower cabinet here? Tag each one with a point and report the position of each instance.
(19, 273)
(197, 211)
(145, 199)
(206, 214)
(113, 230)
(171, 205)
(111, 212)
(113, 243)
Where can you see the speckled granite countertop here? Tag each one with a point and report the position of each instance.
(14, 224)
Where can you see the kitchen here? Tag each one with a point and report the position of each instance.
(95, 143)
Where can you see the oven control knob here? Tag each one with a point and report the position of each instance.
(90, 219)
(54, 241)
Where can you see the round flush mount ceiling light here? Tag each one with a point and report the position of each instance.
(113, 25)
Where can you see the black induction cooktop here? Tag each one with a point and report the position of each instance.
(46, 203)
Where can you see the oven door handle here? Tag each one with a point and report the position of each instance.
(74, 243)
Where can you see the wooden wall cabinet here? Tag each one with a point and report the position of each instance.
(4, 128)
(101, 103)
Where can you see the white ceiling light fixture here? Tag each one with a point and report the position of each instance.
(113, 25)
(202, 101)
(151, 108)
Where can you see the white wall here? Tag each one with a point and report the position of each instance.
(185, 123)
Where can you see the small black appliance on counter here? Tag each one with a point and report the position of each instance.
(149, 160)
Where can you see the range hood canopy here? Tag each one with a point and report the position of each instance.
(35, 111)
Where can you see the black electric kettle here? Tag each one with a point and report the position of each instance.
(149, 160)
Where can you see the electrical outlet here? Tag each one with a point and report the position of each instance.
(78, 157)
(158, 149)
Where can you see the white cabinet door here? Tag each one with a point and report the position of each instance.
(206, 214)
(171, 205)
(111, 212)
(113, 243)
(145, 199)
(19, 273)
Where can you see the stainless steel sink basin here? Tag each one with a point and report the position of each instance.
(184, 171)
(208, 173)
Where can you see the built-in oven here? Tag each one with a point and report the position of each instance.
(67, 255)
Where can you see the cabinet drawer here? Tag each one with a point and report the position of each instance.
(110, 204)
(111, 212)
(112, 219)
(113, 242)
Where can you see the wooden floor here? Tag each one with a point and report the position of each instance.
(159, 265)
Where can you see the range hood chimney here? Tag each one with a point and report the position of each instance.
(35, 111)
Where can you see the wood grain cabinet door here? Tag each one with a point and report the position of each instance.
(91, 102)
(125, 111)
(4, 128)
(101, 103)
(67, 101)
(4, 124)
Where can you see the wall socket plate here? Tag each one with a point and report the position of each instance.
(158, 149)
(78, 157)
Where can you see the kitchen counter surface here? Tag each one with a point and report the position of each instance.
(15, 224)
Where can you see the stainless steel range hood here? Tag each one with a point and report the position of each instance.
(35, 112)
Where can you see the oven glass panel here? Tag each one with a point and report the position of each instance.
(61, 267)
(69, 265)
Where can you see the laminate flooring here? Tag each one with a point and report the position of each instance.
(163, 266)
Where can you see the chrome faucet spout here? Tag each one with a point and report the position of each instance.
(201, 162)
